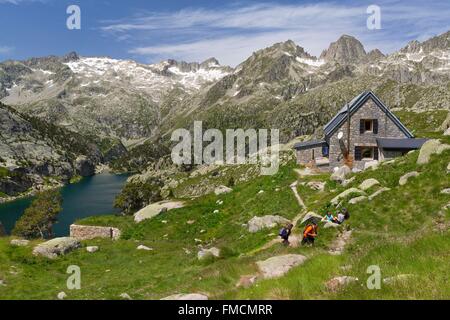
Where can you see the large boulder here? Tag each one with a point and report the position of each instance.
(56, 247)
(278, 266)
(340, 174)
(84, 166)
(310, 215)
(267, 222)
(346, 194)
(186, 296)
(404, 179)
(221, 190)
(155, 209)
(369, 183)
(429, 148)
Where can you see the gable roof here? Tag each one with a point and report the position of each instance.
(354, 105)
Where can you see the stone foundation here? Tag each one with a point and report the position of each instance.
(90, 232)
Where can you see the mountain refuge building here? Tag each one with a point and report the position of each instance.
(362, 133)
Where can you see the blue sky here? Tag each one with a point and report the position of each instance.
(150, 31)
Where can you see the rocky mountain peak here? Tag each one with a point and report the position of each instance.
(375, 55)
(347, 49)
(71, 56)
(208, 63)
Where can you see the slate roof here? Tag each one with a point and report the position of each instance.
(354, 105)
(400, 144)
(309, 144)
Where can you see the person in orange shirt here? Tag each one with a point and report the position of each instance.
(310, 233)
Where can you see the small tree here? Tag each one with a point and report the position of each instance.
(39, 218)
(136, 195)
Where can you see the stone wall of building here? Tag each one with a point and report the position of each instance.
(307, 155)
(91, 232)
(386, 129)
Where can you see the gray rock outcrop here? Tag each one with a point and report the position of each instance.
(56, 247)
(266, 222)
(278, 266)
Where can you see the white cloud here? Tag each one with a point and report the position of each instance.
(6, 50)
(232, 33)
(17, 2)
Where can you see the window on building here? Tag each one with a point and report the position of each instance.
(325, 151)
(368, 125)
(367, 153)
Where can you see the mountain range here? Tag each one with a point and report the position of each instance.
(122, 103)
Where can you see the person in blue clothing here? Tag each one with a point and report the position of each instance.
(328, 217)
(285, 233)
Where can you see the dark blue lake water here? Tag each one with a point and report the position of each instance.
(92, 196)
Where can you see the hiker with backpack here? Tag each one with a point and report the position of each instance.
(285, 233)
(310, 233)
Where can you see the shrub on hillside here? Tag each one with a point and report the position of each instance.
(39, 218)
(136, 195)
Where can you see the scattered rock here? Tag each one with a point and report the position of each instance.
(446, 191)
(212, 252)
(216, 211)
(338, 245)
(316, 185)
(92, 249)
(404, 179)
(338, 282)
(279, 265)
(340, 174)
(347, 193)
(246, 281)
(145, 248)
(378, 192)
(56, 247)
(125, 296)
(429, 148)
(221, 190)
(348, 181)
(188, 296)
(369, 183)
(155, 209)
(310, 215)
(357, 199)
(397, 278)
(62, 295)
(329, 225)
(371, 164)
(19, 242)
(190, 222)
(266, 222)
(261, 191)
